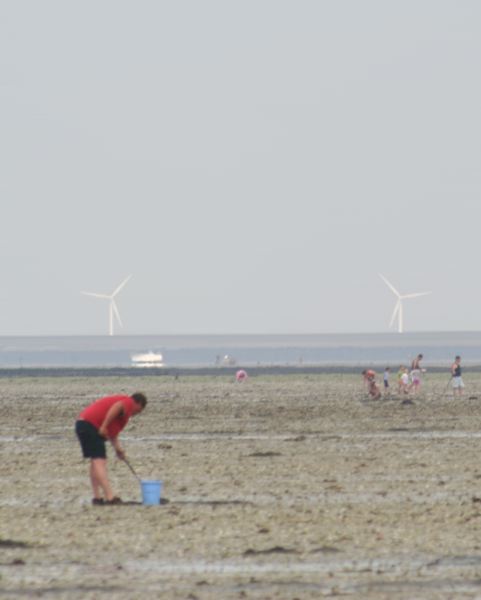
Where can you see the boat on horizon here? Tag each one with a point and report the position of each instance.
(148, 359)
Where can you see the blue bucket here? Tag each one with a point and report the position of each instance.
(151, 491)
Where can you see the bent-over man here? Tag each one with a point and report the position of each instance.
(103, 420)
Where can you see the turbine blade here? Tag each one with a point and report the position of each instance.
(390, 286)
(395, 312)
(111, 319)
(117, 290)
(95, 295)
(416, 295)
(116, 312)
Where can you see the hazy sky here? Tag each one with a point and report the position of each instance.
(253, 164)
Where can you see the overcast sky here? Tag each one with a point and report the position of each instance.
(254, 164)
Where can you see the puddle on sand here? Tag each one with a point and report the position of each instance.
(389, 434)
(200, 436)
(395, 565)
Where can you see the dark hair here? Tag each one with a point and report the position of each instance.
(140, 399)
(457, 358)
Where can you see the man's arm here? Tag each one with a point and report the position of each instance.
(115, 411)
(118, 448)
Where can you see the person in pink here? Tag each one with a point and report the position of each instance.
(103, 420)
(241, 375)
(415, 374)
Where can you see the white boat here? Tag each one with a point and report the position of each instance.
(228, 361)
(148, 359)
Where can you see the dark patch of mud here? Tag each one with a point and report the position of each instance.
(273, 550)
(325, 550)
(13, 544)
(264, 454)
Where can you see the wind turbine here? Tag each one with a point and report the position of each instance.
(112, 306)
(398, 308)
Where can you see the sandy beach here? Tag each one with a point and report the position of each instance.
(288, 486)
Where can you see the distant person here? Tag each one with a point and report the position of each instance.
(241, 375)
(104, 419)
(415, 374)
(369, 377)
(385, 378)
(404, 381)
(399, 377)
(457, 380)
(416, 363)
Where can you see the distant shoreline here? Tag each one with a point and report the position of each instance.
(205, 371)
(263, 354)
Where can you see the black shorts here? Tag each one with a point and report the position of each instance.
(92, 443)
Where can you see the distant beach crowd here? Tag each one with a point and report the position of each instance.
(409, 380)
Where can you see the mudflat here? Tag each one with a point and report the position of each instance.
(288, 486)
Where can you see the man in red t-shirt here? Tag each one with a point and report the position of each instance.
(104, 419)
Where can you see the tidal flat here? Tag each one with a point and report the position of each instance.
(281, 487)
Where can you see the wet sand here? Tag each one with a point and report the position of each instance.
(289, 486)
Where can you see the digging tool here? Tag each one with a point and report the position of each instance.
(132, 469)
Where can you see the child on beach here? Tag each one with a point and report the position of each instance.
(385, 377)
(104, 419)
(404, 381)
(399, 378)
(369, 377)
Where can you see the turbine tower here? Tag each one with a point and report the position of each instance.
(398, 308)
(112, 306)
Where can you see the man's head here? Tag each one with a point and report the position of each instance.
(457, 359)
(140, 402)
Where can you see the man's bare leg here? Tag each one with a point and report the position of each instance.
(99, 478)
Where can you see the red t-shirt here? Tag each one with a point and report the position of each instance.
(97, 411)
